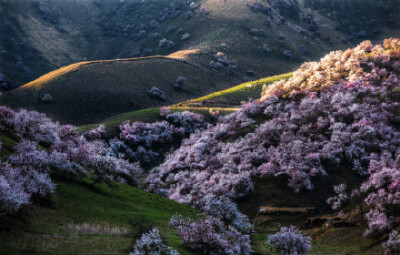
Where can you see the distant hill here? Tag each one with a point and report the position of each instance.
(268, 37)
(88, 92)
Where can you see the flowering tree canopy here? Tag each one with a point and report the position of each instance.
(47, 148)
(289, 241)
(151, 243)
(210, 235)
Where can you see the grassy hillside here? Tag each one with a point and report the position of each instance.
(326, 241)
(237, 94)
(225, 101)
(120, 212)
(88, 92)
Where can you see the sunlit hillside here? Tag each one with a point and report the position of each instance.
(200, 127)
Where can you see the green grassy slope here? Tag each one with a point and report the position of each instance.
(326, 241)
(41, 229)
(235, 95)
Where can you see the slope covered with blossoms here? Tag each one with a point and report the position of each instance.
(341, 114)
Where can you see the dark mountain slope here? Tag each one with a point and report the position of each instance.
(268, 36)
(88, 92)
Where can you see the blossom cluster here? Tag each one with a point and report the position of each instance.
(382, 190)
(210, 235)
(146, 142)
(47, 148)
(392, 245)
(347, 121)
(290, 241)
(349, 65)
(151, 243)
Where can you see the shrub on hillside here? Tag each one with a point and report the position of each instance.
(12, 192)
(211, 236)
(155, 92)
(392, 245)
(27, 170)
(383, 194)
(96, 133)
(145, 142)
(180, 82)
(166, 43)
(164, 111)
(340, 196)
(26, 174)
(151, 243)
(290, 241)
(47, 98)
(29, 125)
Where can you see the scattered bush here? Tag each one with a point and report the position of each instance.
(211, 236)
(287, 54)
(151, 243)
(341, 196)
(290, 241)
(204, 10)
(185, 37)
(27, 171)
(155, 92)
(383, 194)
(257, 32)
(392, 245)
(188, 15)
(166, 43)
(259, 8)
(47, 98)
(154, 23)
(145, 142)
(180, 82)
(164, 111)
(266, 48)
